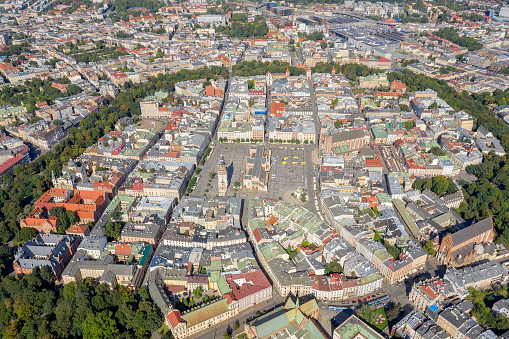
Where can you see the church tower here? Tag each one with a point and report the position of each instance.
(268, 77)
(222, 177)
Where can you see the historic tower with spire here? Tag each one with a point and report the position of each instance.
(222, 177)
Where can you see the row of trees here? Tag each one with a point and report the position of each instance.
(291, 141)
(240, 140)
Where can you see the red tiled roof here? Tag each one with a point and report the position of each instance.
(255, 282)
(175, 318)
(123, 249)
(257, 235)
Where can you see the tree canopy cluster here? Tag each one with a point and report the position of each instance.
(255, 29)
(489, 195)
(15, 49)
(333, 267)
(101, 52)
(250, 68)
(483, 302)
(34, 91)
(120, 9)
(351, 71)
(32, 307)
(463, 41)
(315, 36)
(440, 185)
(113, 229)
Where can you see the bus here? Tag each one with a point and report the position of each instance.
(378, 300)
(338, 308)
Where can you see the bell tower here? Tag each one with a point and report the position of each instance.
(222, 177)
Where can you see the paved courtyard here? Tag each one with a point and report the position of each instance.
(288, 163)
(287, 171)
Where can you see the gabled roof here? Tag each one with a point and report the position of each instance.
(472, 231)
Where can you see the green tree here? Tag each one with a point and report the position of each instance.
(143, 293)
(429, 247)
(333, 267)
(5, 257)
(56, 211)
(197, 293)
(367, 314)
(100, 325)
(409, 124)
(113, 229)
(440, 185)
(437, 151)
(25, 234)
(71, 217)
(393, 312)
(404, 108)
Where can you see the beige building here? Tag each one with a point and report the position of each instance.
(426, 294)
(184, 325)
(105, 270)
(374, 81)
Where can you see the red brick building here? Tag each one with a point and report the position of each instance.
(88, 206)
(354, 139)
(458, 249)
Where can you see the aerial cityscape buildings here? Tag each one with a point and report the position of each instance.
(249, 169)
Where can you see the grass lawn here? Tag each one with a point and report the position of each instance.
(384, 324)
(242, 336)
